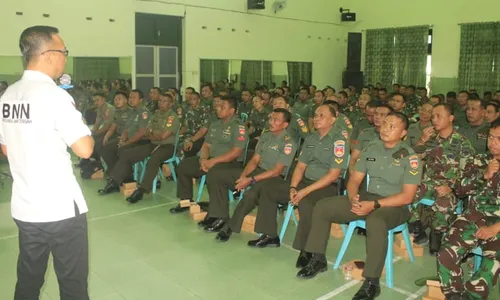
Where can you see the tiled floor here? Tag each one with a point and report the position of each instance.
(143, 252)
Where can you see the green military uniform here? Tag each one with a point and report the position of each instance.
(151, 106)
(194, 120)
(298, 127)
(137, 119)
(303, 108)
(211, 119)
(415, 132)
(207, 102)
(180, 111)
(460, 116)
(477, 135)
(157, 151)
(412, 104)
(483, 210)
(356, 115)
(222, 137)
(258, 121)
(319, 154)
(245, 107)
(272, 149)
(389, 170)
(358, 128)
(343, 125)
(121, 118)
(366, 136)
(442, 159)
(105, 115)
(313, 109)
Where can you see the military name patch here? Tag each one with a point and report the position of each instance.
(345, 134)
(414, 161)
(371, 159)
(288, 149)
(339, 148)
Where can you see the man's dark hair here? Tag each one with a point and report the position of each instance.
(447, 106)
(333, 107)
(386, 106)
(482, 103)
(343, 93)
(382, 90)
(286, 114)
(121, 93)
(313, 86)
(411, 87)
(231, 100)
(209, 86)
(99, 94)
(138, 91)
(494, 104)
(195, 93)
(305, 88)
(279, 88)
(329, 87)
(371, 104)
(282, 97)
(402, 117)
(266, 93)
(167, 96)
(451, 94)
(321, 92)
(463, 92)
(285, 82)
(34, 38)
(247, 91)
(191, 88)
(487, 93)
(399, 94)
(396, 84)
(495, 124)
(157, 88)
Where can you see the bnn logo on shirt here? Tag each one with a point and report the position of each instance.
(16, 113)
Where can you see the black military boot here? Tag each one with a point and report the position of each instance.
(316, 265)
(303, 259)
(420, 237)
(111, 187)
(224, 234)
(435, 242)
(368, 291)
(136, 196)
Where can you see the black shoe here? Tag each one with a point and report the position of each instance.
(136, 196)
(303, 259)
(361, 231)
(236, 194)
(264, 241)
(216, 226)
(158, 184)
(368, 291)
(456, 297)
(316, 265)
(415, 227)
(421, 239)
(435, 242)
(224, 234)
(178, 209)
(206, 221)
(111, 187)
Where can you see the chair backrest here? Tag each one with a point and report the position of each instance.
(244, 117)
(246, 152)
(177, 138)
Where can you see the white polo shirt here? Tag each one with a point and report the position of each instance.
(39, 122)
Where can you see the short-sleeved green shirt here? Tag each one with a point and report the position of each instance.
(389, 169)
(105, 115)
(298, 127)
(323, 154)
(276, 149)
(222, 137)
(477, 135)
(360, 126)
(259, 119)
(122, 117)
(245, 107)
(366, 136)
(139, 120)
(303, 108)
(162, 121)
(415, 133)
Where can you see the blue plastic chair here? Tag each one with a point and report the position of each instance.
(244, 117)
(430, 202)
(389, 276)
(203, 178)
(290, 208)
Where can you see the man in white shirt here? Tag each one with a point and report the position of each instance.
(47, 203)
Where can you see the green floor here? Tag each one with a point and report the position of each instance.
(143, 252)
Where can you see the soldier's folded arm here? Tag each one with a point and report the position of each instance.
(138, 136)
(470, 176)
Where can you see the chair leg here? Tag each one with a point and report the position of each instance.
(172, 170)
(389, 276)
(294, 218)
(143, 171)
(406, 237)
(136, 172)
(231, 196)
(288, 215)
(200, 188)
(477, 262)
(345, 244)
(344, 228)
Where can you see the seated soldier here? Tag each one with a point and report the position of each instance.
(303, 106)
(442, 148)
(297, 127)
(415, 130)
(492, 112)
(319, 98)
(104, 119)
(195, 129)
(398, 104)
(224, 144)
(274, 154)
(131, 136)
(157, 144)
(476, 129)
(479, 226)
(358, 109)
(246, 104)
(366, 121)
(394, 172)
(257, 121)
(323, 156)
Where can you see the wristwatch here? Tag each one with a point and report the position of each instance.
(377, 204)
(252, 180)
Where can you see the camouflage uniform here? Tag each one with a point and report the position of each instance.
(483, 210)
(194, 120)
(412, 104)
(477, 135)
(442, 158)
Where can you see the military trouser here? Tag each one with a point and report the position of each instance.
(459, 242)
(95, 153)
(110, 152)
(188, 169)
(194, 149)
(440, 213)
(219, 181)
(378, 223)
(251, 199)
(280, 194)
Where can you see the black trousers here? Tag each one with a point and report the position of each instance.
(111, 152)
(67, 241)
(195, 149)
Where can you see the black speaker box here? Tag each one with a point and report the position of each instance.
(256, 4)
(348, 17)
(354, 51)
(353, 78)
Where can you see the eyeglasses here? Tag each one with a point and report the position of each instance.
(494, 138)
(65, 52)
